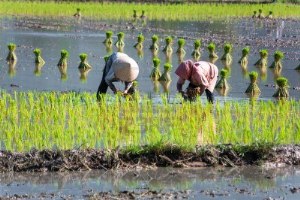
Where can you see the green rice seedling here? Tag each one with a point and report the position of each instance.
(180, 50)
(254, 14)
(120, 43)
(211, 49)
(270, 15)
(196, 52)
(11, 57)
(38, 58)
(222, 83)
(140, 40)
(155, 74)
(83, 65)
(78, 13)
(282, 91)
(244, 59)
(168, 48)
(63, 64)
(63, 61)
(166, 75)
(253, 88)
(108, 40)
(277, 65)
(263, 61)
(134, 14)
(154, 46)
(260, 14)
(227, 50)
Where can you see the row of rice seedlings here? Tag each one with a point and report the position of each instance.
(68, 121)
(107, 10)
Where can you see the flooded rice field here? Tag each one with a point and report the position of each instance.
(161, 183)
(52, 35)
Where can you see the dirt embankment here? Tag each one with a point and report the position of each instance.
(72, 160)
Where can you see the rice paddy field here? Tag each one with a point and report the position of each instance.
(47, 109)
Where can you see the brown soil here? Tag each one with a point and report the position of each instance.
(72, 160)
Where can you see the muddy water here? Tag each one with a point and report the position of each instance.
(86, 36)
(205, 183)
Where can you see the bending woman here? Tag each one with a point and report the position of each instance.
(118, 67)
(202, 76)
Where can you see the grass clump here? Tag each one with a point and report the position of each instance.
(282, 91)
(38, 58)
(166, 74)
(222, 83)
(253, 88)
(263, 61)
(155, 74)
(196, 52)
(11, 57)
(276, 64)
(211, 49)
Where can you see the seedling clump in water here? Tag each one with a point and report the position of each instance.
(140, 39)
(211, 49)
(120, 43)
(253, 88)
(166, 75)
(196, 53)
(38, 58)
(244, 59)
(63, 63)
(11, 57)
(108, 40)
(263, 61)
(226, 56)
(277, 65)
(222, 83)
(180, 49)
(154, 45)
(168, 48)
(155, 74)
(282, 90)
(84, 65)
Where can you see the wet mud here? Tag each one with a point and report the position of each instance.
(77, 160)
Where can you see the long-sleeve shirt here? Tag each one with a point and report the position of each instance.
(202, 74)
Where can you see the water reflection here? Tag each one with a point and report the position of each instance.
(156, 87)
(84, 73)
(38, 68)
(166, 86)
(12, 68)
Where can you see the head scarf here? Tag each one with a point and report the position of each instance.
(185, 69)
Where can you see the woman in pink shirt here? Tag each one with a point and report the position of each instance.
(202, 76)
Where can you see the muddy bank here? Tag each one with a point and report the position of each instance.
(73, 160)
